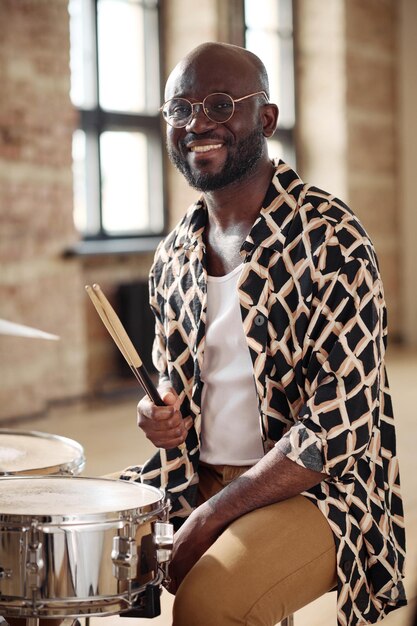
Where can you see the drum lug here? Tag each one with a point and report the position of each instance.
(167, 509)
(125, 558)
(163, 538)
(34, 563)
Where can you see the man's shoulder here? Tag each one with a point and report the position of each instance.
(317, 208)
(313, 201)
(342, 222)
(318, 203)
(321, 219)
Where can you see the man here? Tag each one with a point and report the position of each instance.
(270, 333)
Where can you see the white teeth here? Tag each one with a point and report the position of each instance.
(205, 148)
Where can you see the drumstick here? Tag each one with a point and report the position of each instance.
(133, 360)
(123, 342)
(100, 311)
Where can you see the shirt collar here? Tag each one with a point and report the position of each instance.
(269, 229)
(190, 231)
(277, 211)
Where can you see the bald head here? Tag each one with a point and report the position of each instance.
(213, 154)
(223, 67)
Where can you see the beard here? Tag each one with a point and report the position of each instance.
(239, 163)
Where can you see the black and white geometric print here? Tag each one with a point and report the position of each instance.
(313, 312)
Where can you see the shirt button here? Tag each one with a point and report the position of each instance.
(347, 566)
(259, 320)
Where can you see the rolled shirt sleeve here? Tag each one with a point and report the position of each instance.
(342, 361)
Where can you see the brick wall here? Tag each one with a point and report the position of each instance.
(103, 371)
(405, 199)
(372, 151)
(37, 286)
(347, 111)
(346, 68)
(184, 29)
(321, 91)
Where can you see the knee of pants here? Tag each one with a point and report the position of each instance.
(197, 603)
(191, 609)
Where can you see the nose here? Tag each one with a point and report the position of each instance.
(199, 121)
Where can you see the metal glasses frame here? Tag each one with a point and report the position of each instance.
(194, 104)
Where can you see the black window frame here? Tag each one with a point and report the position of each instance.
(286, 135)
(95, 120)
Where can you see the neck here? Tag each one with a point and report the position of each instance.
(240, 202)
(231, 214)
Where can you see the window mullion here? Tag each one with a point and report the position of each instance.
(97, 201)
(151, 52)
(92, 181)
(119, 153)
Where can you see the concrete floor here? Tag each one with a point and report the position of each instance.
(111, 441)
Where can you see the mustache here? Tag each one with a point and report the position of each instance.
(210, 136)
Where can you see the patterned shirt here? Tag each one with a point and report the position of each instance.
(314, 316)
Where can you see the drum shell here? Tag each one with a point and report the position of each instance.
(72, 571)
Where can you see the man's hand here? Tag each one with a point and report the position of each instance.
(163, 425)
(194, 537)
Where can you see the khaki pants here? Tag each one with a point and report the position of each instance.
(264, 566)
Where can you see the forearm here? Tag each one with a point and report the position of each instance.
(272, 479)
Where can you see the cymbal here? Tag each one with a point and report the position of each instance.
(19, 330)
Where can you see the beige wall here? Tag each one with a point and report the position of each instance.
(321, 131)
(37, 287)
(187, 25)
(347, 62)
(372, 155)
(356, 137)
(405, 201)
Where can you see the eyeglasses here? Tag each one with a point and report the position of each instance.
(218, 107)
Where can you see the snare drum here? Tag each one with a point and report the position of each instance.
(74, 546)
(32, 452)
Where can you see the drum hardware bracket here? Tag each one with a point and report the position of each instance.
(125, 558)
(163, 538)
(149, 604)
(34, 563)
(5, 573)
(168, 507)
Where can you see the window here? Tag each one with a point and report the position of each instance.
(269, 34)
(117, 149)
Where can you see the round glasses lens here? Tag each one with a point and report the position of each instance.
(219, 107)
(177, 111)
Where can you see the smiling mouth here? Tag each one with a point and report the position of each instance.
(206, 148)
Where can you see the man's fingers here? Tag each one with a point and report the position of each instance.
(168, 397)
(161, 418)
(153, 412)
(174, 426)
(163, 425)
(164, 414)
(162, 440)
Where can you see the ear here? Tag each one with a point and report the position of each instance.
(269, 116)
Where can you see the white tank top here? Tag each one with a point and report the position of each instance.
(230, 433)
